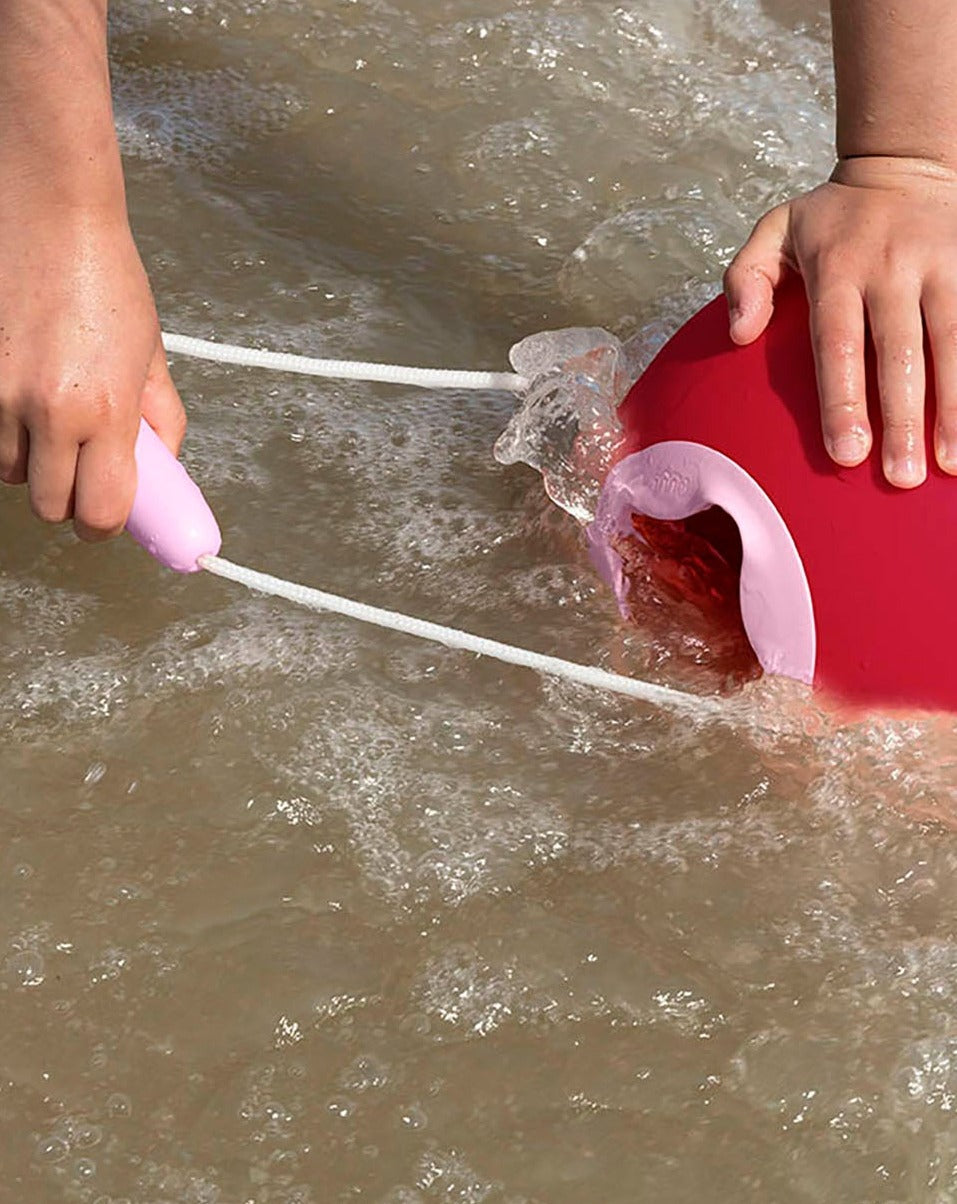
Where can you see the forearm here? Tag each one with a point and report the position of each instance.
(57, 139)
(83, 361)
(896, 70)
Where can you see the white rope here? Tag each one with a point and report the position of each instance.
(314, 599)
(586, 675)
(397, 374)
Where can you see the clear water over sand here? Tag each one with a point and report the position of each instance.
(294, 912)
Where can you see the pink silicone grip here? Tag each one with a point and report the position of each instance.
(170, 517)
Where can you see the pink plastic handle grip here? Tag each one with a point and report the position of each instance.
(170, 517)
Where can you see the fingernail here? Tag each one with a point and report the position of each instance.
(947, 455)
(904, 472)
(849, 449)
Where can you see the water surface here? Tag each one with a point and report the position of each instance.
(295, 912)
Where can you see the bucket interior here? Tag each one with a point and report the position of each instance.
(690, 568)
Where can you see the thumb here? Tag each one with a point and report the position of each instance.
(754, 274)
(160, 403)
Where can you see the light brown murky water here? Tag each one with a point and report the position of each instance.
(293, 912)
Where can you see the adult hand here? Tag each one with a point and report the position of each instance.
(80, 352)
(80, 361)
(876, 245)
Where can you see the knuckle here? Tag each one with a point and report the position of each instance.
(841, 410)
(825, 266)
(50, 407)
(746, 280)
(95, 411)
(841, 345)
(69, 402)
(899, 354)
(897, 261)
(902, 425)
(45, 409)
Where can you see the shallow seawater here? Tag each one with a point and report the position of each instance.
(296, 912)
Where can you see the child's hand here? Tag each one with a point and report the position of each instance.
(80, 360)
(876, 244)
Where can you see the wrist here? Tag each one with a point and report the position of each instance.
(894, 172)
(48, 177)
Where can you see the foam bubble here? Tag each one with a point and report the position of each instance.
(170, 115)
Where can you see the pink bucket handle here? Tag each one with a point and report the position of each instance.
(170, 517)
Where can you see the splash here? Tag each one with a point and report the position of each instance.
(567, 427)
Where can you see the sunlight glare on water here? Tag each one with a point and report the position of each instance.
(295, 912)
